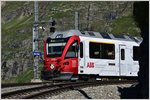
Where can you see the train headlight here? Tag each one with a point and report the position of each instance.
(52, 66)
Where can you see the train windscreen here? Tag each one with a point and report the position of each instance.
(55, 47)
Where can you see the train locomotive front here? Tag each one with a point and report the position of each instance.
(60, 58)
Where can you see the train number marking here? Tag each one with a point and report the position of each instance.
(90, 65)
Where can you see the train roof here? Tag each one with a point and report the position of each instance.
(102, 35)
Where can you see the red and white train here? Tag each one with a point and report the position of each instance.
(73, 55)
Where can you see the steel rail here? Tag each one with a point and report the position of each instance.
(45, 86)
(41, 91)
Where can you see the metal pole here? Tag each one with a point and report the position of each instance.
(76, 20)
(35, 40)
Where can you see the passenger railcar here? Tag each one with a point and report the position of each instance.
(74, 54)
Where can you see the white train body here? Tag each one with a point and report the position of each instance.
(118, 66)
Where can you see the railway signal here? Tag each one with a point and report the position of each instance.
(52, 24)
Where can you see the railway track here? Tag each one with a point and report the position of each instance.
(44, 91)
(6, 85)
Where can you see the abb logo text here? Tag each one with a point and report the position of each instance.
(90, 65)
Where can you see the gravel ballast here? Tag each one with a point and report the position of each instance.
(93, 92)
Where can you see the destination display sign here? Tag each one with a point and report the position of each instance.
(57, 40)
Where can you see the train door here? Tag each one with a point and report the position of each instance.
(81, 58)
(122, 60)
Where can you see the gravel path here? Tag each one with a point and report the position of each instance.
(93, 92)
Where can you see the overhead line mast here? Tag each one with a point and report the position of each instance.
(35, 42)
(76, 20)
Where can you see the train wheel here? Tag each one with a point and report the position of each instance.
(85, 78)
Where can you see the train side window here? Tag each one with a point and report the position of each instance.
(81, 50)
(101, 50)
(71, 53)
(94, 50)
(108, 51)
(91, 33)
(122, 54)
(135, 53)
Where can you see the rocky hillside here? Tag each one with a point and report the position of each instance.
(17, 18)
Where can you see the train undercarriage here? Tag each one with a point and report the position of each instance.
(57, 76)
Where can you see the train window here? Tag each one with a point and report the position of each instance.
(133, 38)
(83, 33)
(81, 50)
(94, 50)
(122, 54)
(72, 53)
(101, 50)
(119, 36)
(105, 35)
(136, 53)
(55, 49)
(91, 33)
